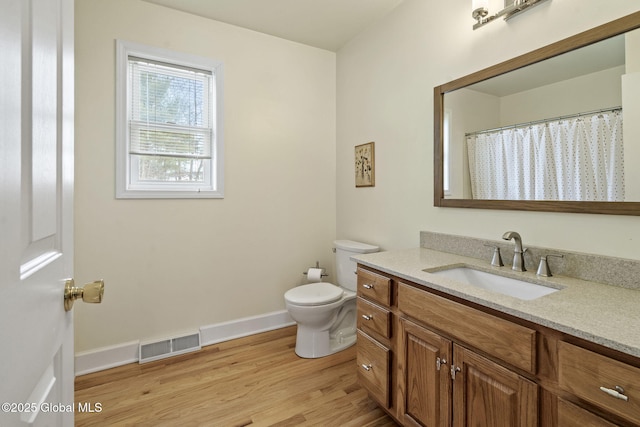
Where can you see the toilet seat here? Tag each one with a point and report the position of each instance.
(314, 294)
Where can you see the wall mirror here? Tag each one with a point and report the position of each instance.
(543, 131)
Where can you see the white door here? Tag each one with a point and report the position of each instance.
(36, 202)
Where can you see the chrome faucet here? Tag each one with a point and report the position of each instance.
(543, 268)
(518, 254)
(496, 261)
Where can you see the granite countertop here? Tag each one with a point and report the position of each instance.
(603, 314)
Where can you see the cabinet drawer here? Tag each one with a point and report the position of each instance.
(570, 415)
(373, 318)
(508, 341)
(373, 368)
(583, 372)
(374, 287)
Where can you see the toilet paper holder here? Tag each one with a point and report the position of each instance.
(323, 274)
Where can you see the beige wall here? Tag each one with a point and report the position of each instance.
(631, 102)
(175, 265)
(594, 91)
(470, 111)
(385, 94)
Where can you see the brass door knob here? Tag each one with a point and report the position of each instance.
(91, 292)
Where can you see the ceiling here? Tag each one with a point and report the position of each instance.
(599, 56)
(326, 24)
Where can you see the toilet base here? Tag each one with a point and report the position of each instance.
(312, 345)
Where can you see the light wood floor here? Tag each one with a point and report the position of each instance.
(253, 381)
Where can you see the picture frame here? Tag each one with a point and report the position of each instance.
(365, 167)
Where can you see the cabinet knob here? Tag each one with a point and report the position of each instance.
(440, 362)
(366, 367)
(367, 286)
(367, 316)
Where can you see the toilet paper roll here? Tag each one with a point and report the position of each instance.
(314, 275)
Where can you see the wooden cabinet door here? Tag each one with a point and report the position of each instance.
(487, 394)
(425, 384)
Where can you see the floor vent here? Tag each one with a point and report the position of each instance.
(156, 350)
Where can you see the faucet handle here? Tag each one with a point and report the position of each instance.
(496, 261)
(543, 268)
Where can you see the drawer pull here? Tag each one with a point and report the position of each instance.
(367, 286)
(618, 393)
(366, 367)
(367, 316)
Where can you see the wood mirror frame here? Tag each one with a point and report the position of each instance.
(611, 29)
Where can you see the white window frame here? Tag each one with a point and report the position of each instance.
(128, 188)
(446, 152)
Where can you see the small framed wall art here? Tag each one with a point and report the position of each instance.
(365, 165)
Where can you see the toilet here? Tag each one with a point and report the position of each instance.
(326, 313)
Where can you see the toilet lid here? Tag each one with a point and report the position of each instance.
(314, 294)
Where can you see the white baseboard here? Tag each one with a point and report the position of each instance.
(246, 326)
(122, 354)
(106, 357)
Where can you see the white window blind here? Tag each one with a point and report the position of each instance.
(170, 117)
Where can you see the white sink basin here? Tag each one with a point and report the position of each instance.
(493, 282)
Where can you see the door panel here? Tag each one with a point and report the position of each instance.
(487, 394)
(41, 139)
(36, 189)
(426, 357)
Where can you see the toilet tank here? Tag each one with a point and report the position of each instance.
(344, 266)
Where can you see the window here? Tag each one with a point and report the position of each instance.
(446, 153)
(169, 122)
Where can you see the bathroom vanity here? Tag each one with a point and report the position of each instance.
(434, 351)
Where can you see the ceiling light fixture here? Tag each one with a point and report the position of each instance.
(481, 10)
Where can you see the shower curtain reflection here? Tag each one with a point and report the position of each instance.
(577, 158)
